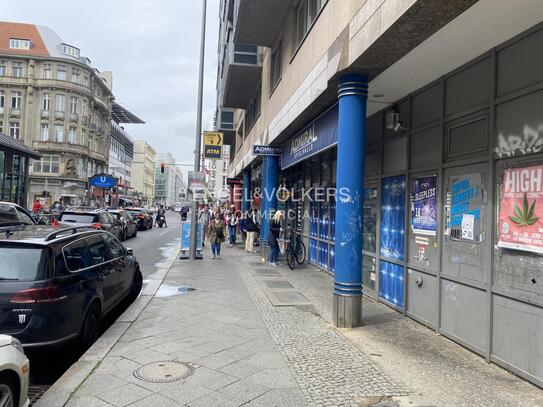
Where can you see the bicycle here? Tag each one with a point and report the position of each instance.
(295, 252)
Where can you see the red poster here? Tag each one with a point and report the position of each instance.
(520, 224)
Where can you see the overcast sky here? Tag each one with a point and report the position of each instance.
(152, 47)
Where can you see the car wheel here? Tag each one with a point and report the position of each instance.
(7, 392)
(91, 325)
(137, 283)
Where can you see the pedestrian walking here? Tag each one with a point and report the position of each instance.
(243, 226)
(204, 218)
(216, 232)
(232, 221)
(273, 238)
(252, 228)
(184, 213)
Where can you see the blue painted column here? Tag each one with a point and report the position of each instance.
(246, 199)
(270, 184)
(353, 91)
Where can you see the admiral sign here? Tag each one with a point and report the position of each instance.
(267, 150)
(318, 136)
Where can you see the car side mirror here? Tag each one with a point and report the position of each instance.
(129, 251)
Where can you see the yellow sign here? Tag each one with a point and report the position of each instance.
(213, 138)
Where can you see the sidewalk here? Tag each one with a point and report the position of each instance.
(259, 336)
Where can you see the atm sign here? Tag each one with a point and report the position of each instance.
(212, 152)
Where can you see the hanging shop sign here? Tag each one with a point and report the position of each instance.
(267, 150)
(521, 208)
(213, 141)
(464, 203)
(424, 209)
(103, 181)
(318, 136)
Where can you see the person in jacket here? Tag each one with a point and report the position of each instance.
(273, 237)
(232, 221)
(251, 227)
(216, 232)
(204, 217)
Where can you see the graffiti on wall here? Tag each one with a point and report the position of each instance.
(529, 142)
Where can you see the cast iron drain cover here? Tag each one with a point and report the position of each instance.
(163, 372)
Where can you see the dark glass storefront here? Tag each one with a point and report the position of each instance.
(14, 163)
(436, 245)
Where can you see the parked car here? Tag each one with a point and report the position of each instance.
(57, 284)
(12, 214)
(92, 217)
(14, 373)
(130, 228)
(143, 218)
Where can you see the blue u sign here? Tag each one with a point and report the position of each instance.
(103, 181)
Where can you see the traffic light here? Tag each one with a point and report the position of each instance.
(162, 168)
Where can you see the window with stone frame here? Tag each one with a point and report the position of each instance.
(17, 69)
(47, 71)
(16, 99)
(61, 72)
(15, 130)
(46, 101)
(44, 132)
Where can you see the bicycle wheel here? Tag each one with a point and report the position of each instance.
(290, 261)
(300, 252)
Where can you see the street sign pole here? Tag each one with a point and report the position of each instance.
(197, 149)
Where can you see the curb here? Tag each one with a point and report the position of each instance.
(61, 391)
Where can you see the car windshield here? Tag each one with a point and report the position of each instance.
(78, 218)
(21, 263)
(8, 214)
(134, 212)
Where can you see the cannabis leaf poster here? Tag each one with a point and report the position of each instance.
(520, 224)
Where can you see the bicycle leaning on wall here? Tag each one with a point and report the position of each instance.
(294, 248)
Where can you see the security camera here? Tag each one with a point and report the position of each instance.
(398, 126)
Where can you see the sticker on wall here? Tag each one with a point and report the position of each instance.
(424, 206)
(463, 207)
(393, 217)
(520, 224)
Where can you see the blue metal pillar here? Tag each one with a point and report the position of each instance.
(353, 89)
(246, 201)
(270, 184)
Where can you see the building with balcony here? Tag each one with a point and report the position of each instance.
(143, 172)
(54, 101)
(168, 184)
(426, 115)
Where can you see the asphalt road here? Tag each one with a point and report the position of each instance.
(151, 248)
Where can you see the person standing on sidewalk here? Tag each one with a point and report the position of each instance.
(251, 227)
(204, 218)
(216, 232)
(273, 238)
(232, 221)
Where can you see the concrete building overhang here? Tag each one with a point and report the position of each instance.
(241, 82)
(465, 30)
(123, 115)
(260, 22)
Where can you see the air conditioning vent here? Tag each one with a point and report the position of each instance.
(392, 119)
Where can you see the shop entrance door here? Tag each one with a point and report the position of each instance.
(466, 250)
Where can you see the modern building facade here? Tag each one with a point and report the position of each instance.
(424, 120)
(168, 184)
(143, 172)
(53, 100)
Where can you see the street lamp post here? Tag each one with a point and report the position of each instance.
(197, 149)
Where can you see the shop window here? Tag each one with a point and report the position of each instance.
(425, 148)
(374, 129)
(395, 157)
(513, 75)
(467, 137)
(426, 106)
(372, 164)
(519, 126)
(369, 272)
(369, 236)
(468, 88)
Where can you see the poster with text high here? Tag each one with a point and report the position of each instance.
(520, 225)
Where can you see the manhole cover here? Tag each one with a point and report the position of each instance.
(163, 372)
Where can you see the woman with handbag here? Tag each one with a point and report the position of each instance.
(273, 237)
(251, 228)
(216, 232)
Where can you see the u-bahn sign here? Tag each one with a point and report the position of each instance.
(103, 181)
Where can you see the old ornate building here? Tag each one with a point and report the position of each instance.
(53, 100)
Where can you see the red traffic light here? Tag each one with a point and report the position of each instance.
(162, 166)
